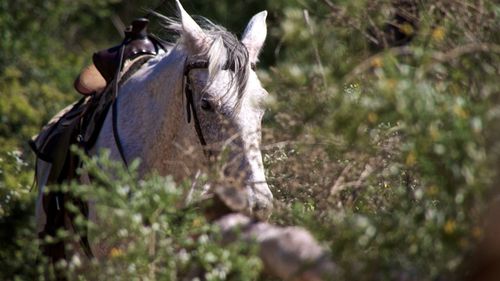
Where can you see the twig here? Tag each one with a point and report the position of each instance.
(365, 174)
(340, 185)
(337, 186)
(119, 25)
(469, 5)
(439, 57)
(466, 49)
(315, 47)
(280, 144)
(459, 51)
(189, 196)
(378, 32)
(332, 6)
(367, 63)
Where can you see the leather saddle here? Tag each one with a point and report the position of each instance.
(137, 42)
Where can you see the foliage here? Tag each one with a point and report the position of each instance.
(146, 232)
(405, 130)
(388, 154)
(153, 237)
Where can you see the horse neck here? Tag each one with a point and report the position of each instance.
(152, 120)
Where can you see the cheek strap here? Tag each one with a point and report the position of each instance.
(190, 108)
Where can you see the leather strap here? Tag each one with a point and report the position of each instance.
(114, 109)
(190, 107)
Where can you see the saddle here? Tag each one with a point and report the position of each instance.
(80, 123)
(96, 76)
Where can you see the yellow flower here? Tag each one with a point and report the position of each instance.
(438, 34)
(197, 222)
(411, 159)
(116, 252)
(460, 112)
(377, 62)
(372, 117)
(434, 132)
(432, 190)
(407, 29)
(450, 226)
(389, 84)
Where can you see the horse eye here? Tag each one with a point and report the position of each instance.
(206, 105)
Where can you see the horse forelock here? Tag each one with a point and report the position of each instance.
(225, 52)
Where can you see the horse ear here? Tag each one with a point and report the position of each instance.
(255, 34)
(196, 38)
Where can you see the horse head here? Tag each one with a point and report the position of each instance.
(227, 105)
(207, 78)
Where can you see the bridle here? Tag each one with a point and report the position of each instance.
(190, 106)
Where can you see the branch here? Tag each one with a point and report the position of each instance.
(337, 186)
(439, 57)
(368, 63)
(466, 49)
(332, 6)
(340, 185)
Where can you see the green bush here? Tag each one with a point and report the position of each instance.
(389, 153)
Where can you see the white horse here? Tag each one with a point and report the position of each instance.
(227, 106)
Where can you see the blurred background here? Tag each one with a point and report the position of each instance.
(381, 134)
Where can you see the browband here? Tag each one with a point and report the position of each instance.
(197, 64)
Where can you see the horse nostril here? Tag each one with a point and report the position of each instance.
(206, 105)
